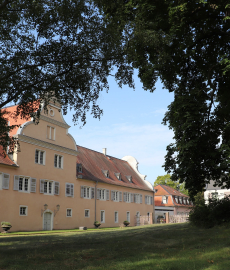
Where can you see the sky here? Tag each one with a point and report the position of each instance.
(131, 125)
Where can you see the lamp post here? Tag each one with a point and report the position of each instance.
(57, 209)
(43, 210)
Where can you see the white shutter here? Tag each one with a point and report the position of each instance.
(16, 182)
(124, 196)
(33, 185)
(107, 194)
(92, 193)
(140, 198)
(98, 193)
(82, 191)
(131, 197)
(56, 188)
(42, 186)
(151, 198)
(120, 196)
(5, 181)
(112, 195)
(71, 190)
(135, 198)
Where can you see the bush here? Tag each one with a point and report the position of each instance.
(215, 212)
(6, 223)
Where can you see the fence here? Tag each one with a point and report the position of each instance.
(143, 220)
(178, 218)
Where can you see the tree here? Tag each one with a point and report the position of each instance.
(187, 45)
(62, 49)
(166, 180)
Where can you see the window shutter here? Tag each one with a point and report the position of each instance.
(132, 197)
(112, 195)
(5, 181)
(56, 188)
(82, 191)
(124, 196)
(145, 199)
(16, 182)
(92, 192)
(151, 199)
(107, 194)
(71, 190)
(120, 196)
(33, 185)
(98, 193)
(42, 186)
(140, 198)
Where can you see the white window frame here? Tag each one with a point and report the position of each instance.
(87, 211)
(148, 200)
(128, 197)
(102, 216)
(47, 187)
(23, 180)
(87, 192)
(3, 177)
(71, 190)
(49, 132)
(70, 211)
(58, 165)
(102, 194)
(128, 216)
(39, 157)
(26, 210)
(164, 199)
(116, 219)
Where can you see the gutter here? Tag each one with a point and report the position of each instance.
(95, 197)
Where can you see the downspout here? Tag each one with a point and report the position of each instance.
(95, 196)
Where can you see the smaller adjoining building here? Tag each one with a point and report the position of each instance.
(212, 191)
(170, 200)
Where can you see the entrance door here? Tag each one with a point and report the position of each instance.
(138, 218)
(47, 221)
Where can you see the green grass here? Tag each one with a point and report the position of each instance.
(169, 246)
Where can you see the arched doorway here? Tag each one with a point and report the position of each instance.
(47, 221)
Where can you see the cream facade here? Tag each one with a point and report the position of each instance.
(48, 183)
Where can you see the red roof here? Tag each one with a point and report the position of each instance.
(4, 159)
(93, 163)
(174, 196)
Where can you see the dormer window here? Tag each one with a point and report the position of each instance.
(129, 177)
(176, 199)
(180, 200)
(165, 199)
(184, 200)
(79, 167)
(106, 173)
(118, 175)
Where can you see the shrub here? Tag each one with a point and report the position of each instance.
(215, 212)
(5, 223)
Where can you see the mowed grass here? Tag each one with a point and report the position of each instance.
(166, 246)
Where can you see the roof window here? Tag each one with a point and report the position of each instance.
(106, 173)
(79, 167)
(129, 177)
(118, 175)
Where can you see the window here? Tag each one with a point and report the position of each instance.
(24, 183)
(40, 157)
(49, 187)
(118, 175)
(79, 168)
(176, 199)
(116, 217)
(184, 200)
(4, 181)
(87, 192)
(69, 190)
(129, 177)
(58, 161)
(128, 216)
(87, 213)
(127, 197)
(148, 199)
(102, 216)
(180, 200)
(165, 199)
(69, 212)
(214, 195)
(106, 173)
(116, 196)
(23, 210)
(50, 134)
(103, 194)
(137, 198)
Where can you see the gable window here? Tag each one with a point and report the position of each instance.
(118, 175)
(23, 210)
(69, 212)
(69, 190)
(39, 157)
(102, 216)
(58, 161)
(106, 173)
(129, 177)
(50, 133)
(116, 196)
(128, 216)
(87, 192)
(4, 181)
(116, 217)
(165, 199)
(79, 167)
(87, 213)
(49, 187)
(24, 183)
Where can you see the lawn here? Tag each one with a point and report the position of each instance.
(165, 246)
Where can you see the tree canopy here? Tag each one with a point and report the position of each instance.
(166, 180)
(187, 45)
(62, 49)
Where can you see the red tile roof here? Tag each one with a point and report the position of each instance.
(94, 162)
(4, 159)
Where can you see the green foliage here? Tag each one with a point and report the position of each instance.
(5, 223)
(215, 212)
(166, 180)
(186, 45)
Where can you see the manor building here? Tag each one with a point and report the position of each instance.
(52, 183)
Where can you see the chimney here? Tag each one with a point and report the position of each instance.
(104, 151)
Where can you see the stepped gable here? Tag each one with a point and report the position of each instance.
(94, 163)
